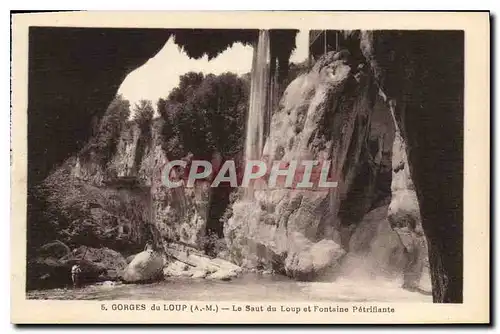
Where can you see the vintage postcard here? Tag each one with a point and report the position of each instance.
(250, 167)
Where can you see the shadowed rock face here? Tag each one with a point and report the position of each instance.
(75, 73)
(422, 75)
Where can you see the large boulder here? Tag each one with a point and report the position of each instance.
(43, 273)
(146, 266)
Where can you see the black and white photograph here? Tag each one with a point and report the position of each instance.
(245, 165)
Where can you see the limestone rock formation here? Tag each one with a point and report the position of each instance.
(323, 115)
(124, 203)
(178, 214)
(124, 163)
(180, 269)
(79, 212)
(198, 266)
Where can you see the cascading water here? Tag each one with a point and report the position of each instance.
(257, 112)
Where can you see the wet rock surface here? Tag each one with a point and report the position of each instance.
(323, 115)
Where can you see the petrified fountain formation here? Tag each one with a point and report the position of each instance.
(323, 115)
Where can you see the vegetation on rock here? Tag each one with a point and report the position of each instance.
(102, 146)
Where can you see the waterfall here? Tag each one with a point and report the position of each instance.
(257, 112)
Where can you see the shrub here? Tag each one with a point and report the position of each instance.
(143, 114)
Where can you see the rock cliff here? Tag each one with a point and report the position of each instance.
(129, 186)
(324, 114)
(422, 76)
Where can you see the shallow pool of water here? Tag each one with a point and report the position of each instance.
(250, 287)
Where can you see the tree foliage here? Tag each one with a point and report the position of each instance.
(205, 114)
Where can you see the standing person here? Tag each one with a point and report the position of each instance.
(76, 272)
